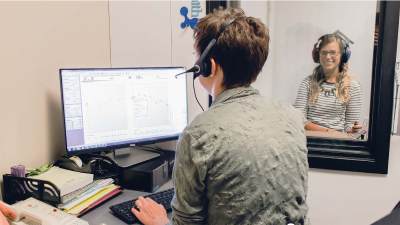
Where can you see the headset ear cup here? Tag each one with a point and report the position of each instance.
(206, 68)
(346, 55)
(315, 51)
(315, 54)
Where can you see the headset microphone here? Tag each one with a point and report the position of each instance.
(203, 64)
(201, 67)
(193, 69)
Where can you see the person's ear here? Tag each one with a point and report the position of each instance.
(214, 67)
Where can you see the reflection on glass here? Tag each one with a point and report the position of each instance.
(330, 97)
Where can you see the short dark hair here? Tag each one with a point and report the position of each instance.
(241, 49)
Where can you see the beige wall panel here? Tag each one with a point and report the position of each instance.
(140, 33)
(38, 38)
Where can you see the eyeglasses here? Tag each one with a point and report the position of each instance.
(331, 53)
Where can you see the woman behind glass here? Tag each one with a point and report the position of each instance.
(330, 98)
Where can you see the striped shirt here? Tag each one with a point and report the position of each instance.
(329, 111)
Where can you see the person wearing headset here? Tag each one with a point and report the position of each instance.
(244, 160)
(330, 98)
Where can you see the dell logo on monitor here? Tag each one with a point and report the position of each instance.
(195, 12)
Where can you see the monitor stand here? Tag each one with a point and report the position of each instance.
(126, 157)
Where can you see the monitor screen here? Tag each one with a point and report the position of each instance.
(116, 107)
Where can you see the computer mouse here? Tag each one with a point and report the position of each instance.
(77, 161)
(73, 163)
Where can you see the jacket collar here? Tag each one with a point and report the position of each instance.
(233, 93)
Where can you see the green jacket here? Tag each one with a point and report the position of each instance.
(243, 161)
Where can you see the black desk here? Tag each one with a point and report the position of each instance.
(102, 215)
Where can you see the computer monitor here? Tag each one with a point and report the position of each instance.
(112, 108)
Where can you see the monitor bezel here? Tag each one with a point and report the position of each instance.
(146, 141)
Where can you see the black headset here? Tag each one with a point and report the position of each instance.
(346, 53)
(203, 64)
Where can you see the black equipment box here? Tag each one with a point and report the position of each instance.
(147, 176)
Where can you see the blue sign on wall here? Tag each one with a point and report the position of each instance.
(195, 13)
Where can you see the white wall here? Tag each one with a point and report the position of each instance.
(343, 198)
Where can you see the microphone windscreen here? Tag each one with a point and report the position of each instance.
(194, 69)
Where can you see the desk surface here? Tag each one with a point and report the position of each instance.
(102, 214)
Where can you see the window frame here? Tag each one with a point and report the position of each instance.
(372, 155)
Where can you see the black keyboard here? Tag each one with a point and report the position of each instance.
(123, 210)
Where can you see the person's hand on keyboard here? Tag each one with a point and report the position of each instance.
(150, 212)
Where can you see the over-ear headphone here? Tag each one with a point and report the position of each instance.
(346, 53)
(203, 64)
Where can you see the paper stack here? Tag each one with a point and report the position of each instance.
(66, 181)
(79, 193)
(81, 201)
